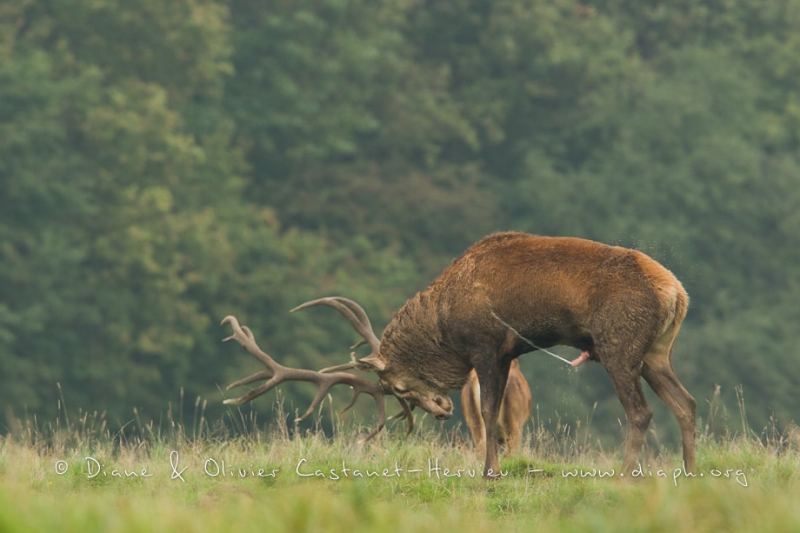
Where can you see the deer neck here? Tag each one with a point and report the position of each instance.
(413, 341)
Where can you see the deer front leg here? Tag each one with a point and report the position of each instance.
(492, 377)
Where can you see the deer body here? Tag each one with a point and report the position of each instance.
(515, 410)
(616, 304)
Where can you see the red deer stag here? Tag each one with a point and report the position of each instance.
(515, 409)
(508, 294)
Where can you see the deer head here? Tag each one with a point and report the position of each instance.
(407, 383)
(409, 389)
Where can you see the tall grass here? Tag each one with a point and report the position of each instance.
(534, 494)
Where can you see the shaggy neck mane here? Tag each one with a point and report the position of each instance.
(413, 340)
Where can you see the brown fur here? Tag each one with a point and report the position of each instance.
(515, 410)
(617, 303)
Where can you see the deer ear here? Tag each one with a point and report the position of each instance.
(372, 362)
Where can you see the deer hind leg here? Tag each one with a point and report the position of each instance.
(471, 408)
(622, 335)
(621, 351)
(659, 374)
(628, 385)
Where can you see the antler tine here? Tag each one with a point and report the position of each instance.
(360, 342)
(405, 413)
(277, 374)
(263, 374)
(344, 366)
(244, 336)
(356, 308)
(353, 312)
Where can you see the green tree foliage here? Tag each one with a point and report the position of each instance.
(163, 164)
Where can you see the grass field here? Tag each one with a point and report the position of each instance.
(88, 479)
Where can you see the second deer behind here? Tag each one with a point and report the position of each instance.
(515, 410)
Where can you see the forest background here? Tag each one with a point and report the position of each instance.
(163, 164)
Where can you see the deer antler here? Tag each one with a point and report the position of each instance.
(359, 319)
(276, 374)
(354, 313)
(404, 414)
